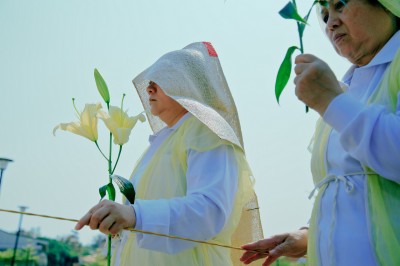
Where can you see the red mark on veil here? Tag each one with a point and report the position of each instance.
(210, 49)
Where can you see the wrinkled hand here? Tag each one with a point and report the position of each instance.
(316, 84)
(109, 217)
(292, 245)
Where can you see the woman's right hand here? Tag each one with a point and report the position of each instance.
(316, 84)
(108, 217)
(293, 244)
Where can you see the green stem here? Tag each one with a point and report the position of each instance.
(116, 162)
(110, 161)
(301, 48)
(97, 145)
(109, 251)
(301, 40)
(109, 196)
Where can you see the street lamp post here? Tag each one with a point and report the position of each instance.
(3, 166)
(22, 209)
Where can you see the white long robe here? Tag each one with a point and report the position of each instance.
(361, 134)
(211, 191)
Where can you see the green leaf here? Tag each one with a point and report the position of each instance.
(102, 86)
(301, 26)
(284, 72)
(111, 191)
(126, 187)
(102, 191)
(290, 12)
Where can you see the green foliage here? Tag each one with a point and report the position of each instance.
(102, 87)
(64, 251)
(126, 187)
(284, 72)
(289, 11)
(109, 188)
(302, 26)
(103, 191)
(111, 191)
(27, 256)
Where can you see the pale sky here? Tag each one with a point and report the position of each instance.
(48, 51)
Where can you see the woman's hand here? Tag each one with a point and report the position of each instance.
(292, 245)
(109, 217)
(316, 84)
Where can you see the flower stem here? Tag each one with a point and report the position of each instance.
(116, 162)
(109, 250)
(109, 196)
(301, 47)
(301, 40)
(97, 145)
(109, 159)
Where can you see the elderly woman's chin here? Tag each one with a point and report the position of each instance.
(358, 53)
(154, 111)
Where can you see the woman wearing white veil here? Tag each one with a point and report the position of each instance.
(193, 181)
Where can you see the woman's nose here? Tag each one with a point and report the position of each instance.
(150, 89)
(333, 21)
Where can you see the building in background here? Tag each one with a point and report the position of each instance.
(33, 248)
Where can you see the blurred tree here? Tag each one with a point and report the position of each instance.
(64, 251)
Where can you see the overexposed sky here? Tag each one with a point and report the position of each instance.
(48, 51)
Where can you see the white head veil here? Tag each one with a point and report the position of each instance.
(194, 78)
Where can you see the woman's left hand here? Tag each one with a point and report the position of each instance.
(293, 244)
(316, 84)
(109, 217)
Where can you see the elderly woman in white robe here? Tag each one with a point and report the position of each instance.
(193, 181)
(356, 146)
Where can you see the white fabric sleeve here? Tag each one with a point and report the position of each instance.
(212, 180)
(368, 133)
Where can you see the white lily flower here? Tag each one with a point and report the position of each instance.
(87, 124)
(119, 123)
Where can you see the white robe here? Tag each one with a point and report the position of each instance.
(211, 191)
(369, 135)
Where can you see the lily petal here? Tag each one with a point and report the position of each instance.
(87, 125)
(119, 123)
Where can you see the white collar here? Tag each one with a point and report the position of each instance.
(174, 127)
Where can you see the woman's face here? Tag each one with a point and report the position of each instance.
(161, 105)
(357, 29)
